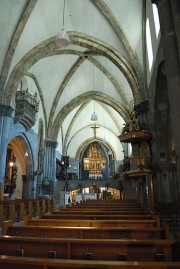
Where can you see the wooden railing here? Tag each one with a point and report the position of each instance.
(15, 210)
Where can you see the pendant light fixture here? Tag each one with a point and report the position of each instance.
(62, 38)
(94, 116)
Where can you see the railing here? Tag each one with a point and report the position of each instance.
(169, 213)
(75, 184)
(111, 176)
(15, 210)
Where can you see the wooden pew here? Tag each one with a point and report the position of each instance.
(111, 201)
(14, 210)
(98, 211)
(95, 216)
(103, 205)
(11, 262)
(106, 205)
(131, 247)
(85, 232)
(102, 212)
(101, 208)
(92, 223)
(108, 201)
(96, 249)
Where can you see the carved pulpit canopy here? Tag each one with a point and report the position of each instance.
(134, 131)
(26, 108)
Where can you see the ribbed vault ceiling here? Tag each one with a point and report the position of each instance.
(101, 70)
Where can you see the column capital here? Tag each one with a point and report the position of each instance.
(6, 110)
(52, 144)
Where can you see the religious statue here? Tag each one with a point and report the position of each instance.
(134, 124)
(94, 152)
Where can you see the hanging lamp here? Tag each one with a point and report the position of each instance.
(94, 117)
(62, 38)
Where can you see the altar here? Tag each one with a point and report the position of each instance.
(85, 196)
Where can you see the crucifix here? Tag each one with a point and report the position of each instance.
(94, 129)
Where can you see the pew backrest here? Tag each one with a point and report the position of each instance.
(86, 232)
(98, 249)
(92, 223)
(96, 216)
(11, 262)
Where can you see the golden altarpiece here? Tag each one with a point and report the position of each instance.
(94, 163)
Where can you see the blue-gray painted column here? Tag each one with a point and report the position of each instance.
(5, 118)
(50, 160)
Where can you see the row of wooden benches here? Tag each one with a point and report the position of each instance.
(75, 240)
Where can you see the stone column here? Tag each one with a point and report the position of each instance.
(169, 16)
(175, 7)
(2, 85)
(150, 192)
(27, 191)
(143, 192)
(50, 160)
(5, 117)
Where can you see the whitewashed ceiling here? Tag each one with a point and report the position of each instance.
(101, 70)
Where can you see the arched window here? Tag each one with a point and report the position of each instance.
(156, 20)
(149, 44)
